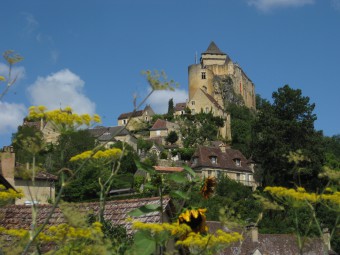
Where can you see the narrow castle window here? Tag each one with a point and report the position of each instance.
(192, 102)
(203, 75)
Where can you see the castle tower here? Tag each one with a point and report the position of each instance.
(214, 62)
(205, 95)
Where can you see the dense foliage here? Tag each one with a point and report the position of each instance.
(284, 127)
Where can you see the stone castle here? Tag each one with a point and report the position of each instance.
(217, 81)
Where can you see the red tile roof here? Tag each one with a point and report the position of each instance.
(168, 169)
(20, 216)
(159, 125)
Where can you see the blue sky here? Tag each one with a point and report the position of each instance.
(90, 54)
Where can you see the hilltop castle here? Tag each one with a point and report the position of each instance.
(217, 81)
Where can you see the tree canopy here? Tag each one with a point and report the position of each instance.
(283, 130)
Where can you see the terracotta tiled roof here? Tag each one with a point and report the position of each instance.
(225, 160)
(213, 49)
(159, 125)
(168, 169)
(180, 107)
(116, 212)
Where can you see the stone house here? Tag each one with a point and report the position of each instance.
(180, 109)
(49, 131)
(220, 160)
(110, 135)
(41, 191)
(161, 128)
(137, 117)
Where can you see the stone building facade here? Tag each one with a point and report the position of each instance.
(208, 90)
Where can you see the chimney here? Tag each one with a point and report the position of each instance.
(326, 238)
(254, 233)
(7, 162)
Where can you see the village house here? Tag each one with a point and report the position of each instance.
(49, 132)
(107, 136)
(137, 118)
(216, 161)
(180, 109)
(42, 191)
(162, 128)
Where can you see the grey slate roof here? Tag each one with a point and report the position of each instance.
(213, 49)
(108, 133)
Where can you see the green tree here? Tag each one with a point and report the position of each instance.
(284, 127)
(127, 162)
(242, 119)
(171, 109)
(68, 145)
(19, 143)
(172, 137)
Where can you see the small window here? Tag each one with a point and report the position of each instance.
(146, 118)
(238, 162)
(205, 89)
(238, 177)
(124, 122)
(192, 102)
(206, 109)
(203, 75)
(213, 160)
(195, 160)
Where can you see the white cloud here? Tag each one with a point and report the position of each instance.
(11, 116)
(17, 71)
(159, 99)
(63, 88)
(267, 5)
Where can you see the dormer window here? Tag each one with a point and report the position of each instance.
(213, 159)
(237, 161)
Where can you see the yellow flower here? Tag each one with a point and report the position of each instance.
(195, 219)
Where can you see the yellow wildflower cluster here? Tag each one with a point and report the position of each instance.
(63, 119)
(198, 242)
(9, 194)
(300, 194)
(20, 233)
(62, 232)
(174, 229)
(194, 241)
(113, 153)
